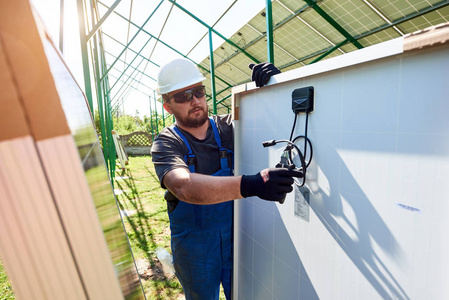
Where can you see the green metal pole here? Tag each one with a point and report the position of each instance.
(99, 96)
(331, 21)
(128, 66)
(108, 146)
(135, 52)
(227, 97)
(85, 55)
(163, 115)
(100, 22)
(155, 110)
(212, 73)
(61, 26)
(278, 25)
(109, 126)
(151, 118)
(112, 152)
(269, 17)
(135, 80)
(329, 52)
(132, 39)
(103, 106)
(217, 33)
(168, 46)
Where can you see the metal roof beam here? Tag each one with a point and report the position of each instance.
(334, 24)
(327, 51)
(382, 15)
(131, 66)
(421, 12)
(99, 23)
(214, 31)
(81, 9)
(285, 51)
(283, 22)
(126, 82)
(148, 87)
(308, 25)
(138, 31)
(127, 66)
(212, 26)
(227, 97)
(135, 52)
(131, 85)
(165, 44)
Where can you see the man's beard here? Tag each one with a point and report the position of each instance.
(190, 122)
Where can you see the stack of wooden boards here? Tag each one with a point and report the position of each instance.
(61, 233)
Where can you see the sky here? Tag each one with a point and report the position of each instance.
(180, 31)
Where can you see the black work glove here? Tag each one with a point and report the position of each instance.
(270, 184)
(262, 72)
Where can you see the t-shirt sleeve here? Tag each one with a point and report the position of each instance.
(168, 154)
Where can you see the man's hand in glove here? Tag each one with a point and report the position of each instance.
(262, 72)
(270, 184)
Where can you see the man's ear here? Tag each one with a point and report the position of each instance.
(167, 108)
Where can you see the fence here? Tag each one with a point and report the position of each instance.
(137, 143)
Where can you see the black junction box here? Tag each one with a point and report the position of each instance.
(302, 100)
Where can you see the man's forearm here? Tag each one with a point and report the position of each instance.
(203, 189)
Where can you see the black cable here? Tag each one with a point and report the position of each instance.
(303, 165)
(310, 146)
(290, 146)
(293, 128)
(305, 142)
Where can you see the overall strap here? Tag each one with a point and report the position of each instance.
(189, 157)
(222, 150)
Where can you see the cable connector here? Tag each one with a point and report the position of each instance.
(285, 161)
(269, 143)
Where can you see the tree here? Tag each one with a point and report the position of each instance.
(125, 124)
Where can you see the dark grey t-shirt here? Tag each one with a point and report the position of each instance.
(168, 149)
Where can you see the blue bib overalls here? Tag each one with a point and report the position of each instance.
(201, 237)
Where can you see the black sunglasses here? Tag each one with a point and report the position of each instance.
(185, 96)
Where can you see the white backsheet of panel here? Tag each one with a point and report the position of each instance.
(378, 182)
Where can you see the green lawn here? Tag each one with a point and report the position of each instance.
(6, 292)
(147, 225)
(148, 228)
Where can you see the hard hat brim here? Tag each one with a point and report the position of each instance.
(170, 88)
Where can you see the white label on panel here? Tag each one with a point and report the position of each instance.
(302, 196)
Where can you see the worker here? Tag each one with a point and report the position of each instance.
(194, 162)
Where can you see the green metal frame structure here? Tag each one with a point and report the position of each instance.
(326, 32)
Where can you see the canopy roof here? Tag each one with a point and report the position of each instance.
(303, 32)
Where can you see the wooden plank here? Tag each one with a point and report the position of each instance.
(34, 247)
(52, 245)
(65, 174)
(29, 66)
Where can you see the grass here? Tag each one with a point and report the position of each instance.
(147, 226)
(6, 292)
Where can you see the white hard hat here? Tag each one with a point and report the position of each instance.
(178, 74)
